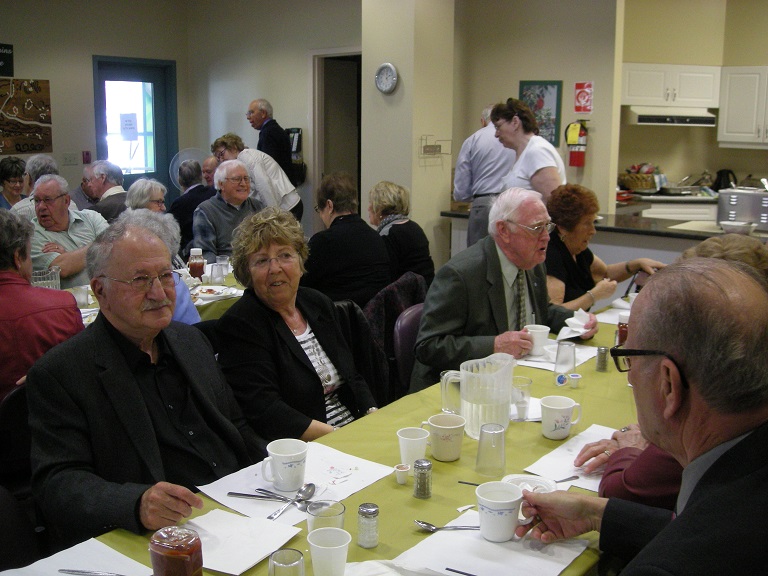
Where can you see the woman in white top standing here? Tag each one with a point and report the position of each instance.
(538, 166)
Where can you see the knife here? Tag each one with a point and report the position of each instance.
(88, 572)
(254, 496)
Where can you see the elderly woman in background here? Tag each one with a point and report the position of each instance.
(732, 247)
(407, 245)
(165, 227)
(268, 181)
(348, 261)
(146, 193)
(538, 165)
(12, 179)
(285, 356)
(576, 278)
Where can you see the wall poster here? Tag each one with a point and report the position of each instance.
(543, 98)
(25, 116)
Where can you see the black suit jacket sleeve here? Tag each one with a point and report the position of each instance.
(274, 140)
(272, 378)
(94, 450)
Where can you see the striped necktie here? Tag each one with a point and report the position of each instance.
(521, 313)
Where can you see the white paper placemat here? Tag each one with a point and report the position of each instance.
(469, 552)
(558, 464)
(336, 474)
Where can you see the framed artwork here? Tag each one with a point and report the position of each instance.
(543, 97)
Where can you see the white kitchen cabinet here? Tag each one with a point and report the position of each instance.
(670, 85)
(743, 121)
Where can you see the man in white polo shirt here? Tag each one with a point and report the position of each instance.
(62, 235)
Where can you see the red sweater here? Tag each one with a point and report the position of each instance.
(32, 321)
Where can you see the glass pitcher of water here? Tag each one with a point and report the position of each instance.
(485, 391)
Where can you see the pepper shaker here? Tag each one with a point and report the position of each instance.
(422, 479)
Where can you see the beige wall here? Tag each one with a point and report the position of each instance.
(502, 43)
(696, 32)
(56, 42)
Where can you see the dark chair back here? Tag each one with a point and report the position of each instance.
(20, 544)
(15, 467)
(208, 328)
(369, 358)
(406, 330)
(382, 312)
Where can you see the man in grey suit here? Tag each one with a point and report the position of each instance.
(476, 305)
(132, 413)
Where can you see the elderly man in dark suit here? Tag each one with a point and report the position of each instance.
(131, 414)
(482, 298)
(193, 193)
(696, 358)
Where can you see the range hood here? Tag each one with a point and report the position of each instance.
(670, 116)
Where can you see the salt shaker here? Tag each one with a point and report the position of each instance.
(368, 525)
(422, 479)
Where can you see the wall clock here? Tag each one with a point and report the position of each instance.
(386, 78)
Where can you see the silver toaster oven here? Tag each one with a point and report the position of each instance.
(743, 205)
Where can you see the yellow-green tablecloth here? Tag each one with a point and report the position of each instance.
(605, 399)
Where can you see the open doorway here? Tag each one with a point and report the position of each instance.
(337, 93)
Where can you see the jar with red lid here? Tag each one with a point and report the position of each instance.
(176, 551)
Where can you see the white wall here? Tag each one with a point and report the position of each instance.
(56, 41)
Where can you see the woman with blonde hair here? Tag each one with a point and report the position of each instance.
(733, 247)
(407, 245)
(285, 356)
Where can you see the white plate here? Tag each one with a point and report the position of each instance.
(209, 293)
(531, 482)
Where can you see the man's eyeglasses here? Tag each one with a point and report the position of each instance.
(47, 201)
(621, 357)
(283, 259)
(238, 179)
(538, 229)
(144, 283)
(250, 113)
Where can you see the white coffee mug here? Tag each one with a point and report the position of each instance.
(540, 335)
(446, 432)
(499, 506)
(285, 465)
(557, 416)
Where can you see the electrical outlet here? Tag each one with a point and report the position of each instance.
(431, 149)
(70, 159)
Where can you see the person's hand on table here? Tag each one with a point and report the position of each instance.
(591, 326)
(596, 454)
(165, 503)
(53, 247)
(518, 344)
(646, 265)
(560, 515)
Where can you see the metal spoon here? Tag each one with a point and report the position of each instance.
(432, 528)
(304, 493)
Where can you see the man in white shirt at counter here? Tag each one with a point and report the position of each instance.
(482, 163)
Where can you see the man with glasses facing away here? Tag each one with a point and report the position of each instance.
(482, 298)
(696, 358)
(131, 414)
(62, 234)
(214, 220)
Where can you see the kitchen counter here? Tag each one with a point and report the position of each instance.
(628, 223)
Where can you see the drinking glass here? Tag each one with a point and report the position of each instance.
(491, 455)
(286, 562)
(565, 361)
(325, 514)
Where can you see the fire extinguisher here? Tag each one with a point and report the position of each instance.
(576, 139)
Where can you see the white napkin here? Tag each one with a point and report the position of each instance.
(469, 552)
(559, 462)
(547, 360)
(88, 555)
(621, 304)
(233, 543)
(574, 325)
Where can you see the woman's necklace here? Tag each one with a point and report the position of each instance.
(295, 322)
